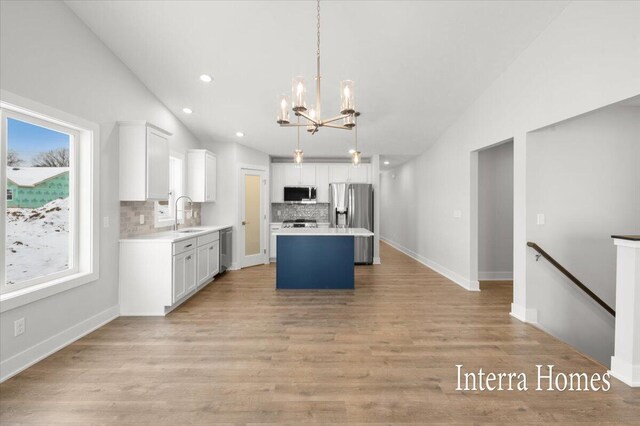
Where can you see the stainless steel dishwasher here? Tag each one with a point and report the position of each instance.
(225, 248)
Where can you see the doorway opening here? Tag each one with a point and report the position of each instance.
(492, 262)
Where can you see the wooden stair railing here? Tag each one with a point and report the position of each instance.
(573, 279)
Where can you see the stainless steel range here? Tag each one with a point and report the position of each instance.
(299, 223)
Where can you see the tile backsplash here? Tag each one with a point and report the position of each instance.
(284, 211)
(130, 212)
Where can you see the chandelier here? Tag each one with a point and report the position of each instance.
(312, 118)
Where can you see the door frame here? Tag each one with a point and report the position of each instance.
(264, 210)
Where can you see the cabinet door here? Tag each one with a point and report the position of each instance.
(277, 183)
(203, 264)
(291, 175)
(190, 277)
(339, 173)
(308, 174)
(360, 174)
(322, 183)
(213, 254)
(210, 173)
(157, 165)
(179, 283)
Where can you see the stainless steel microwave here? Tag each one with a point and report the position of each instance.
(300, 194)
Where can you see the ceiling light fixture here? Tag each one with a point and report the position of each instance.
(351, 151)
(386, 163)
(298, 154)
(239, 134)
(313, 117)
(187, 110)
(206, 78)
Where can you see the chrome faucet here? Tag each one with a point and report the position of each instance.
(175, 217)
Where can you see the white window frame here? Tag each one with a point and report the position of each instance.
(84, 214)
(161, 222)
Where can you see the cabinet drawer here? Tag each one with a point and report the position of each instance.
(208, 238)
(182, 246)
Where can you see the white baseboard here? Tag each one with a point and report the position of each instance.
(376, 261)
(12, 366)
(525, 315)
(451, 275)
(496, 276)
(625, 372)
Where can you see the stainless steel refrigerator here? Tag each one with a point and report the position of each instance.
(351, 206)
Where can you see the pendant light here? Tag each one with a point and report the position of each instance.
(356, 156)
(298, 154)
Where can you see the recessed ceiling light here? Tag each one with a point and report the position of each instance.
(239, 134)
(206, 78)
(187, 110)
(386, 163)
(351, 151)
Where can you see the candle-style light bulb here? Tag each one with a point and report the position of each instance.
(347, 102)
(283, 110)
(311, 127)
(298, 92)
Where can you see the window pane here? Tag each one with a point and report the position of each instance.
(38, 187)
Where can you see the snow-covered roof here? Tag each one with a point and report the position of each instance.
(31, 176)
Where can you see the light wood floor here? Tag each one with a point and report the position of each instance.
(240, 352)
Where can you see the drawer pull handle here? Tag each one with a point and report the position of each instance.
(211, 248)
(188, 245)
(188, 257)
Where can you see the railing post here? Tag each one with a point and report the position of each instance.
(625, 363)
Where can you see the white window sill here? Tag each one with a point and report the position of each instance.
(24, 296)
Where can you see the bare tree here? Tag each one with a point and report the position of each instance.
(13, 158)
(54, 158)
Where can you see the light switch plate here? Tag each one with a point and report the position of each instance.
(141, 219)
(457, 214)
(540, 219)
(105, 221)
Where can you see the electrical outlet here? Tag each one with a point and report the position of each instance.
(279, 212)
(540, 219)
(457, 214)
(105, 221)
(18, 327)
(141, 219)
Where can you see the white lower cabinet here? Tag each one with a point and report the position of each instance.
(208, 261)
(184, 274)
(273, 243)
(158, 275)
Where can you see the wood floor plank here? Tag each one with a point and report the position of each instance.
(240, 352)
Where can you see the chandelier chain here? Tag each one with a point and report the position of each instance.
(318, 26)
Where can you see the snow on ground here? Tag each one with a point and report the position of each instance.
(37, 241)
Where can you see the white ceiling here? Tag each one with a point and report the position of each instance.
(416, 65)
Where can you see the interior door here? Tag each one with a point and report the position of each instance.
(252, 244)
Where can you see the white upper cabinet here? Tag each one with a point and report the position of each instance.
(201, 175)
(277, 183)
(360, 174)
(144, 161)
(339, 173)
(308, 175)
(322, 183)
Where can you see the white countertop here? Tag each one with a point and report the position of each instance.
(172, 237)
(324, 232)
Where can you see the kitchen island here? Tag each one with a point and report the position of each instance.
(317, 258)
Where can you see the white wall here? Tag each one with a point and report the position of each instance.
(587, 58)
(495, 213)
(48, 55)
(583, 175)
(225, 210)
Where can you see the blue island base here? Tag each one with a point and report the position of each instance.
(315, 262)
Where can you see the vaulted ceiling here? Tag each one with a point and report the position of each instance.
(417, 65)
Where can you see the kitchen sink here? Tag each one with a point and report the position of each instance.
(188, 231)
